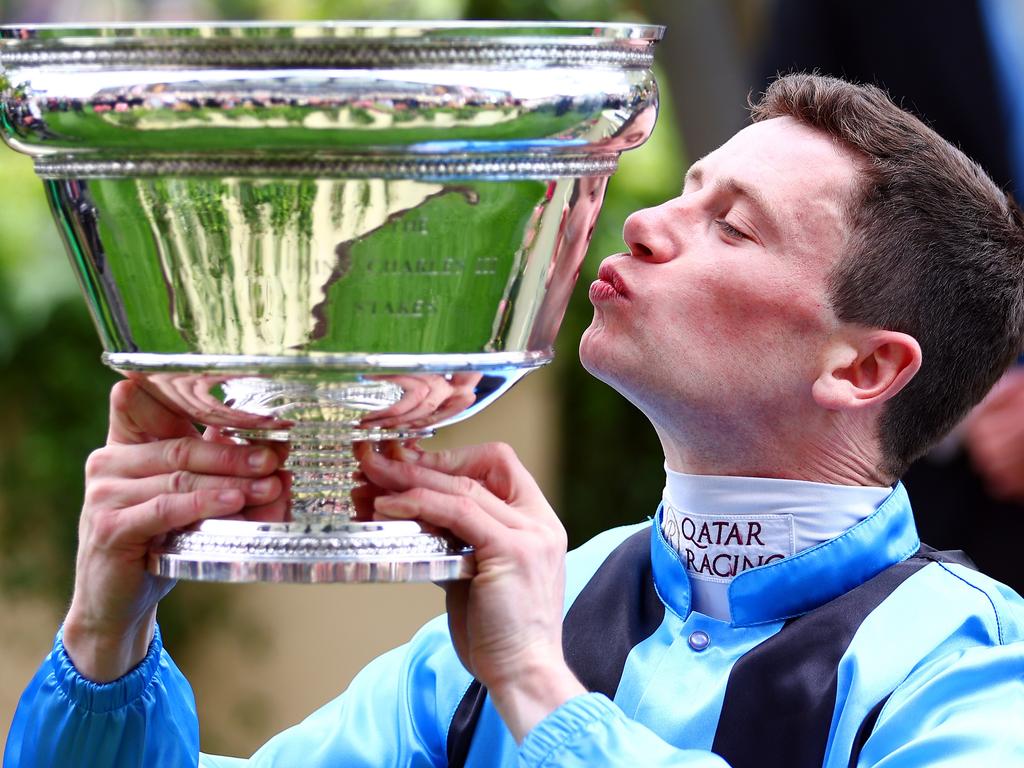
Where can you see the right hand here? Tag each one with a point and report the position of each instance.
(156, 473)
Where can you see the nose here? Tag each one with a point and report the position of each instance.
(647, 234)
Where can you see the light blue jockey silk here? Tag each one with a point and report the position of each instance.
(944, 651)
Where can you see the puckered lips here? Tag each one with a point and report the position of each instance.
(608, 286)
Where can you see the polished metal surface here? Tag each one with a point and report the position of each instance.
(219, 550)
(325, 233)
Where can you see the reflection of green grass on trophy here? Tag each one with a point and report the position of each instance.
(430, 279)
(384, 304)
(119, 130)
(83, 267)
(136, 218)
(278, 205)
(130, 253)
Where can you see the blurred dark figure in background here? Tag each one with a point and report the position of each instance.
(959, 65)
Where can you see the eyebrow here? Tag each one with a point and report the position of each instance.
(762, 208)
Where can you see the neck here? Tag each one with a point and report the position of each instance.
(840, 453)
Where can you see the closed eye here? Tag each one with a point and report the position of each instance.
(730, 231)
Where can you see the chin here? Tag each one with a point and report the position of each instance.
(598, 357)
(591, 352)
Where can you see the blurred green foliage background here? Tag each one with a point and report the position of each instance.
(53, 388)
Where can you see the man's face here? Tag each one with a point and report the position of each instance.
(720, 309)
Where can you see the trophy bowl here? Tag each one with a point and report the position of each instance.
(325, 233)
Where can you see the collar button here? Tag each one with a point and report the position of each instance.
(699, 640)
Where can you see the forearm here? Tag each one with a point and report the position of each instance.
(532, 694)
(104, 655)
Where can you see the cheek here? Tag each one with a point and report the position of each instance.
(766, 309)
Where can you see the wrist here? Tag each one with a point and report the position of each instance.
(527, 698)
(104, 655)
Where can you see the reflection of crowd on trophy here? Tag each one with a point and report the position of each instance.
(416, 101)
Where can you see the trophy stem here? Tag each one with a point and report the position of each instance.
(323, 471)
(323, 465)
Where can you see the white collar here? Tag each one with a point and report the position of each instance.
(723, 525)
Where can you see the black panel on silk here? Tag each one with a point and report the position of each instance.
(617, 609)
(781, 694)
(460, 732)
(867, 725)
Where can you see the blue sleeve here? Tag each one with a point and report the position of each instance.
(395, 712)
(147, 717)
(963, 711)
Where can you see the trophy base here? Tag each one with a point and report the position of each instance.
(310, 552)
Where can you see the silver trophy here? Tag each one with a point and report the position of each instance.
(326, 233)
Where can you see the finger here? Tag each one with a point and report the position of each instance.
(128, 493)
(495, 465)
(458, 514)
(274, 512)
(463, 395)
(363, 497)
(401, 450)
(281, 448)
(137, 417)
(402, 476)
(216, 435)
(169, 512)
(186, 454)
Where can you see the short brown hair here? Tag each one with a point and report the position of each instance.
(935, 250)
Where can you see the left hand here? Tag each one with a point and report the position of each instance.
(506, 622)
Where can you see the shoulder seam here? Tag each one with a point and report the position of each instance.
(988, 598)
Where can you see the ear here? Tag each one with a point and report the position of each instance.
(866, 368)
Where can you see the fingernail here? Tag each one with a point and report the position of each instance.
(408, 454)
(395, 508)
(263, 487)
(258, 459)
(228, 497)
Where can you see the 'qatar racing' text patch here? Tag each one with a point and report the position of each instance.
(717, 547)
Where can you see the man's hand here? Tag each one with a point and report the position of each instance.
(156, 474)
(506, 622)
(994, 438)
